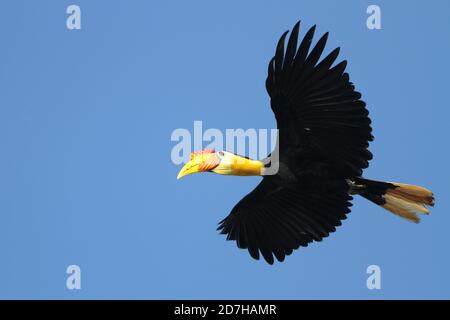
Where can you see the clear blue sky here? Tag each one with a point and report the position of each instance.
(85, 171)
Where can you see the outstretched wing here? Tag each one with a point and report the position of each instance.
(316, 106)
(275, 220)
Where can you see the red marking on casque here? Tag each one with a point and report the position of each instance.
(210, 163)
(198, 152)
(209, 159)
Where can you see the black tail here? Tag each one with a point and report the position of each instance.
(404, 200)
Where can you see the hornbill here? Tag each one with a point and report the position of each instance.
(322, 149)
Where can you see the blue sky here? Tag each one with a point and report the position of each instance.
(86, 176)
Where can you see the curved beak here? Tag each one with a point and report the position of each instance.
(190, 167)
(201, 161)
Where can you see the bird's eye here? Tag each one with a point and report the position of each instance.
(221, 154)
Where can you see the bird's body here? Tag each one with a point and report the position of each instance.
(322, 150)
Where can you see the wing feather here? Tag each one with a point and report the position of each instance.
(272, 221)
(316, 106)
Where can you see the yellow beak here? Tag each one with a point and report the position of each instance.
(190, 167)
(201, 161)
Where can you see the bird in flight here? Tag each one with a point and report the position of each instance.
(323, 138)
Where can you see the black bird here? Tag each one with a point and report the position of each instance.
(317, 165)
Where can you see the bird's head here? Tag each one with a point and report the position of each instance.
(221, 162)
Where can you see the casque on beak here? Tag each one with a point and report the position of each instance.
(201, 161)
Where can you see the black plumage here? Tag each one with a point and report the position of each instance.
(324, 133)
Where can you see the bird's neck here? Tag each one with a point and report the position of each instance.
(249, 168)
(240, 166)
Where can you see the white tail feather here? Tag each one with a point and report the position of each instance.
(407, 201)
